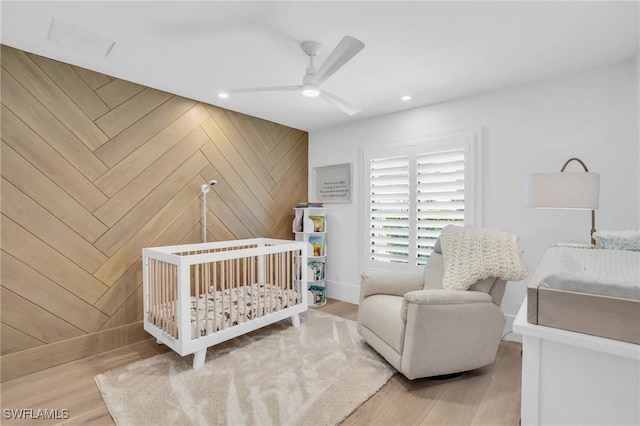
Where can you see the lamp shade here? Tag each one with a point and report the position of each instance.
(563, 190)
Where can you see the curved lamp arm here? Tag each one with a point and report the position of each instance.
(574, 159)
(593, 212)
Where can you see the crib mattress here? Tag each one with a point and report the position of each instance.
(230, 307)
(220, 309)
(590, 291)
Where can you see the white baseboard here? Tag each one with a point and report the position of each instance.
(508, 330)
(343, 291)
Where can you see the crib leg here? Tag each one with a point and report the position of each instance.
(198, 359)
(159, 342)
(295, 320)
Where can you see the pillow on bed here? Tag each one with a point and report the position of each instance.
(618, 240)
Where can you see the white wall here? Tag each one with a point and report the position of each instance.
(532, 128)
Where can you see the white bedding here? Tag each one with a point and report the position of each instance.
(605, 272)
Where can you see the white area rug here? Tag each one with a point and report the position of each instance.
(316, 374)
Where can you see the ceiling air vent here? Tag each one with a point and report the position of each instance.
(80, 39)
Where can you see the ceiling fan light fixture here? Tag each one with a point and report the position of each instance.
(310, 90)
(346, 49)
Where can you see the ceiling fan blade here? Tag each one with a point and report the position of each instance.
(341, 104)
(344, 51)
(263, 89)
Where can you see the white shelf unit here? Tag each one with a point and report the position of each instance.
(571, 378)
(310, 225)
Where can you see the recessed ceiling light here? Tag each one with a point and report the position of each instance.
(223, 95)
(405, 98)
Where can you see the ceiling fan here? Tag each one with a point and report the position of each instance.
(313, 78)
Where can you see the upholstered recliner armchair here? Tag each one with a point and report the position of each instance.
(425, 330)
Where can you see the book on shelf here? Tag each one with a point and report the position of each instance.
(316, 271)
(317, 243)
(318, 223)
(319, 294)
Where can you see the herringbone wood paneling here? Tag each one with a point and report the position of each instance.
(93, 170)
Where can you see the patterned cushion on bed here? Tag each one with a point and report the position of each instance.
(230, 307)
(220, 309)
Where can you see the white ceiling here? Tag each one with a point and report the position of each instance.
(432, 50)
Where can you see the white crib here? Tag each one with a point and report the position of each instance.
(199, 295)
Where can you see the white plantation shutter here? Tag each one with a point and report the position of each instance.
(414, 191)
(440, 194)
(389, 209)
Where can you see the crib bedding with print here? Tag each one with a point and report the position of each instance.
(199, 295)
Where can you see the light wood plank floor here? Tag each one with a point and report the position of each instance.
(488, 396)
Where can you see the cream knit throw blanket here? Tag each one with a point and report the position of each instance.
(473, 254)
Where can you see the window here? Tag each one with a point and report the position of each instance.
(416, 189)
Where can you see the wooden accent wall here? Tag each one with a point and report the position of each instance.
(96, 168)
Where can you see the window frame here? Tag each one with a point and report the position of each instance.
(470, 141)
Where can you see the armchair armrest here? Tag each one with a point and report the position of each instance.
(442, 297)
(386, 282)
(446, 297)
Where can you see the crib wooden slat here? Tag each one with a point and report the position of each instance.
(234, 289)
(152, 292)
(173, 284)
(270, 280)
(198, 286)
(160, 289)
(209, 291)
(163, 298)
(170, 298)
(172, 289)
(167, 296)
(162, 309)
(156, 290)
(215, 292)
(282, 282)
